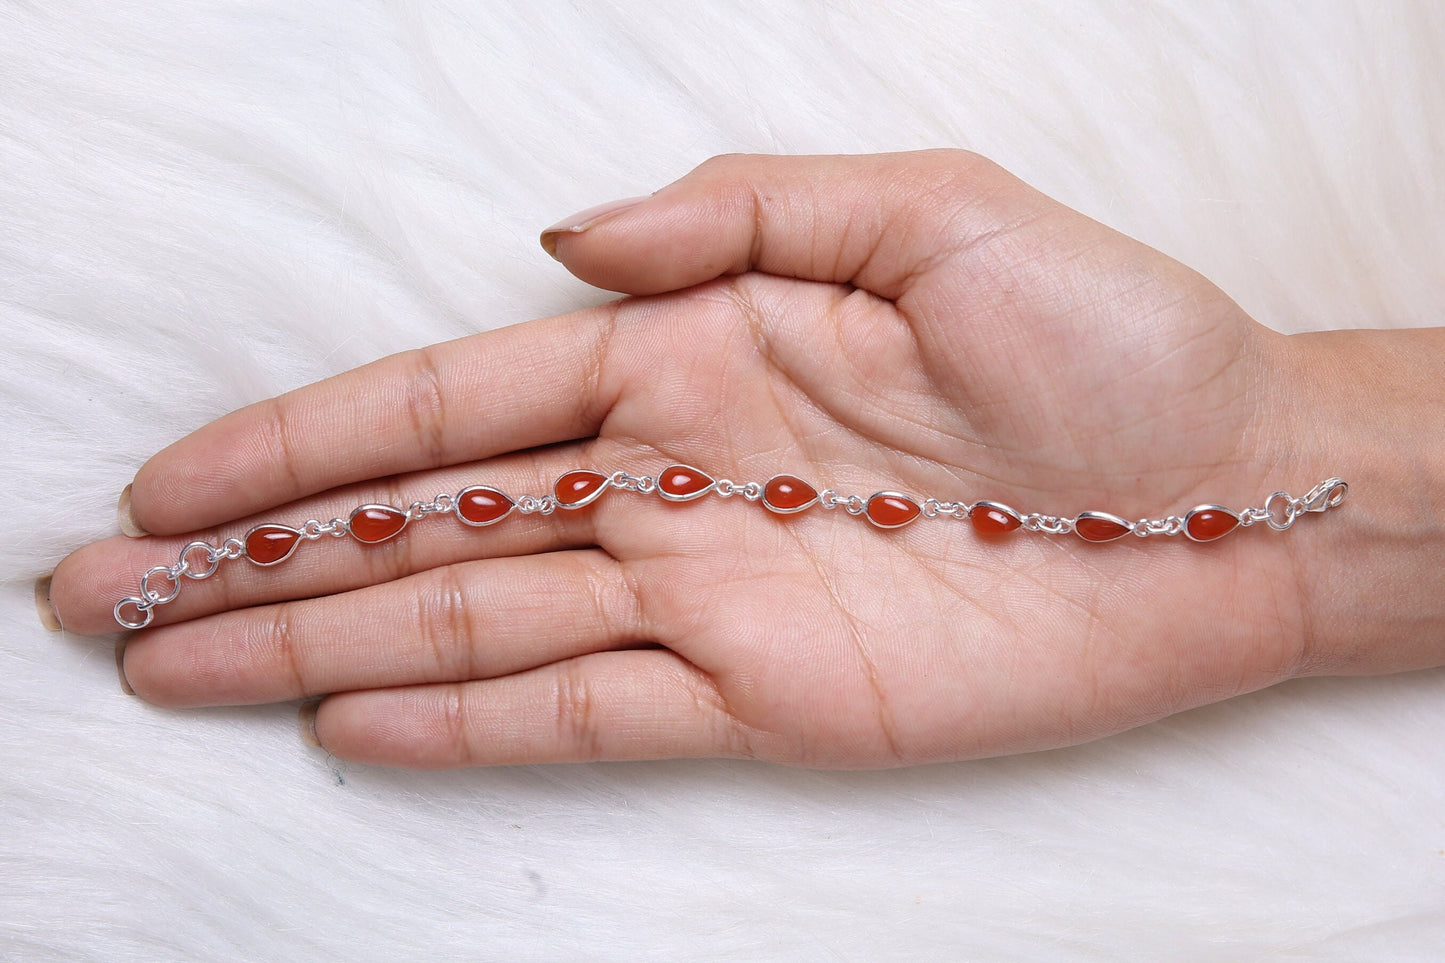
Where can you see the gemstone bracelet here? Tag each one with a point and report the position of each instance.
(481, 505)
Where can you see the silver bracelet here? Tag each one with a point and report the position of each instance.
(481, 505)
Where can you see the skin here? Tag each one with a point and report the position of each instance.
(921, 322)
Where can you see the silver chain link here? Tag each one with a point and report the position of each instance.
(1048, 524)
(727, 488)
(643, 484)
(151, 596)
(536, 505)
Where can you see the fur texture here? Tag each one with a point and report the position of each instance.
(207, 202)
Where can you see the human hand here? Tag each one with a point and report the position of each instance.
(923, 323)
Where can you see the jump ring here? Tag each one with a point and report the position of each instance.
(155, 597)
(147, 613)
(1290, 510)
(213, 559)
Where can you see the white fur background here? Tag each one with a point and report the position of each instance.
(206, 202)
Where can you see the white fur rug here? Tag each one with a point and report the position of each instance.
(206, 202)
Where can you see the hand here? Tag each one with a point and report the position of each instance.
(922, 322)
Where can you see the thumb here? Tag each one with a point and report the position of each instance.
(879, 222)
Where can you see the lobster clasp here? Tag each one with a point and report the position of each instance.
(1324, 496)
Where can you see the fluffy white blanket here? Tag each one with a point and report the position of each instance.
(206, 202)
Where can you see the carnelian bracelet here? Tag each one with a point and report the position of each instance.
(481, 505)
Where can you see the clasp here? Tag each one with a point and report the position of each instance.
(1324, 496)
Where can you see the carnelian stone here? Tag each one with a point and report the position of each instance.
(269, 544)
(1092, 528)
(682, 481)
(891, 510)
(578, 487)
(376, 523)
(483, 506)
(1207, 524)
(990, 520)
(785, 494)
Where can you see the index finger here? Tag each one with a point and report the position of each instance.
(518, 387)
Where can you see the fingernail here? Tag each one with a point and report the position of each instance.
(123, 516)
(120, 667)
(582, 220)
(307, 717)
(43, 608)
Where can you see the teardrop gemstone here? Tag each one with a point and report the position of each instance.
(579, 487)
(269, 544)
(786, 494)
(1100, 526)
(1208, 522)
(680, 483)
(891, 509)
(990, 519)
(376, 523)
(480, 505)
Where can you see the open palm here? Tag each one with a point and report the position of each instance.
(922, 323)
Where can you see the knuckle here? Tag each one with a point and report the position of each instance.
(730, 736)
(445, 625)
(455, 723)
(426, 404)
(286, 651)
(578, 727)
(276, 435)
(611, 592)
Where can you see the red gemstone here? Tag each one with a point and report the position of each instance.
(376, 523)
(579, 487)
(269, 544)
(681, 482)
(1100, 527)
(891, 510)
(1208, 522)
(483, 506)
(786, 494)
(990, 519)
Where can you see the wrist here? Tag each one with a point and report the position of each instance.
(1368, 406)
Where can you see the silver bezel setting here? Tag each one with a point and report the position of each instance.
(788, 511)
(387, 509)
(246, 554)
(573, 506)
(998, 507)
(1103, 517)
(903, 496)
(1208, 508)
(711, 484)
(511, 505)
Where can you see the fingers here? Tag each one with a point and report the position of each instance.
(87, 584)
(456, 623)
(518, 387)
(611, 705)
(878, 222)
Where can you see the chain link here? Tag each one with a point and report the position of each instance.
(644, 484)
(933, 508)
(1171, 525)
(1048, 524)
(535, 505)
(152, 595)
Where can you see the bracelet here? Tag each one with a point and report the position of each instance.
(481, 505)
